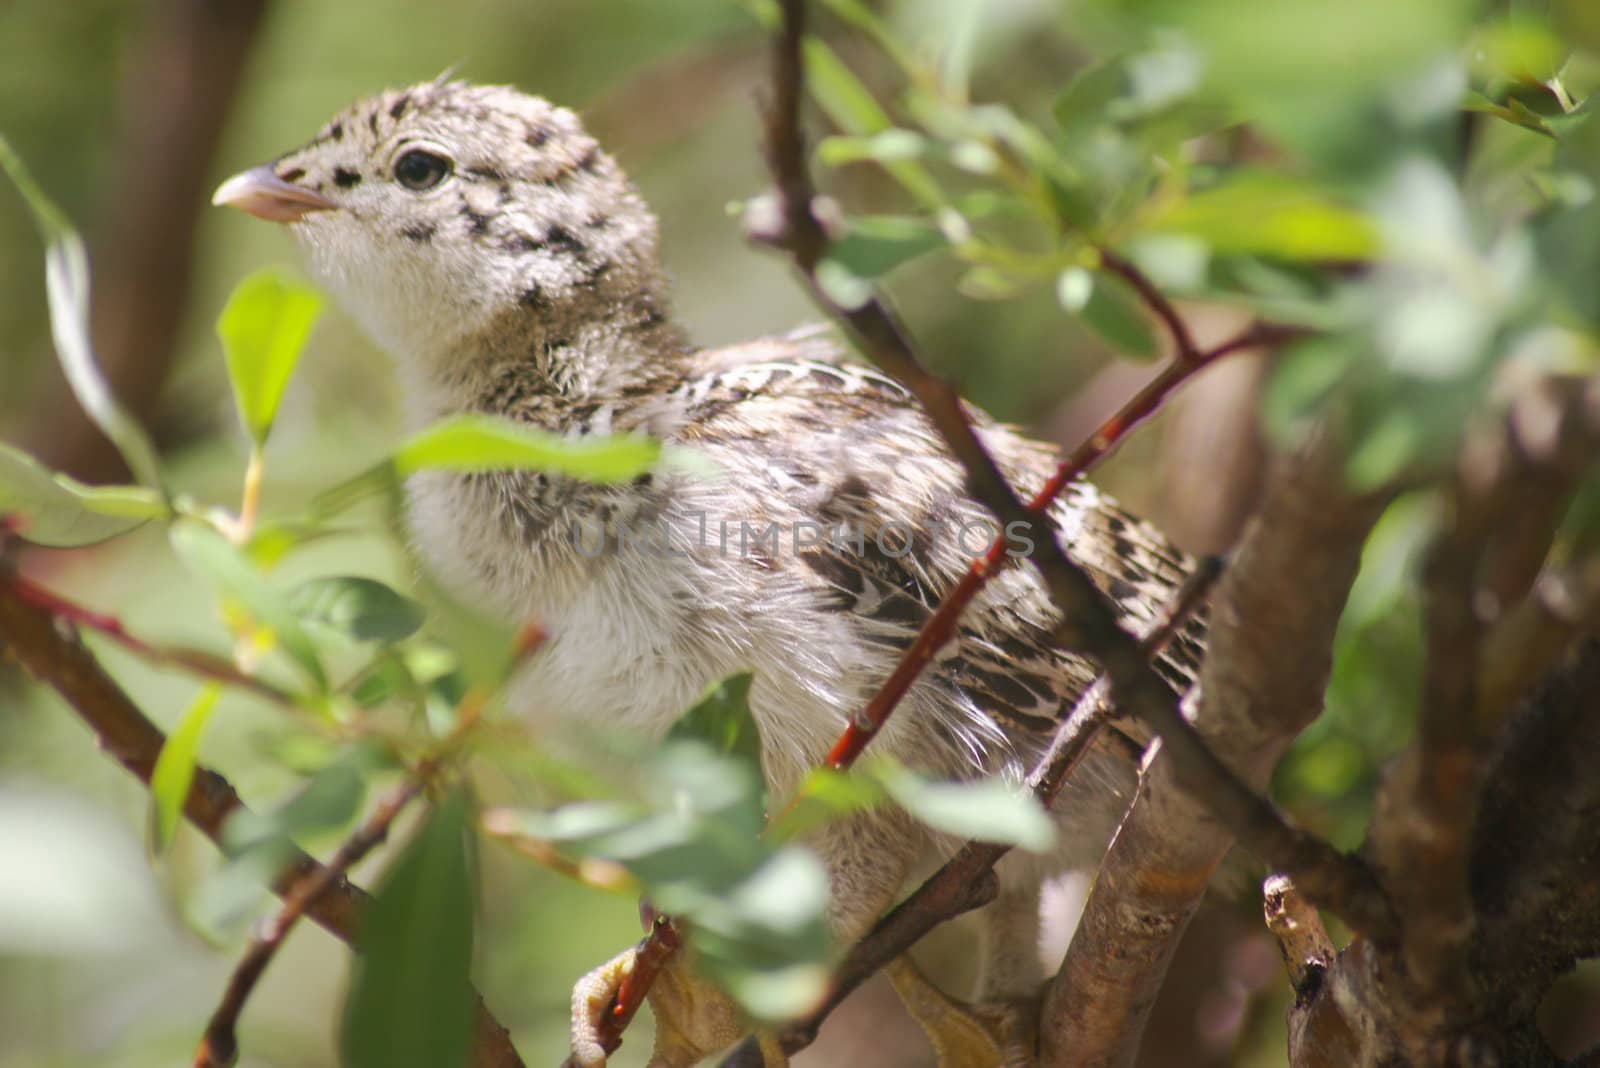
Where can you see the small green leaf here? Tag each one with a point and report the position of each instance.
(67, 287)
(722, 720)
(58, 511)
(843, 286)
(1085, 100)
(485, 443)
(259, 843)
(876, 244)
(1302, 381)
(885, 146)
(765, 942)
(960, 37)
(411, 1002)
(990, 283)
(1112, 310)
(1385, 449)
(990, 810)
(263, 328)
(174, 770)
(329, 800)
(209, 553)
(1271, 215)
(854, 109)
(825, 795)
(850, 104)
(363, 608)
(1072, 198)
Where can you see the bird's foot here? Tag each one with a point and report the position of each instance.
(693, 1018)
(967, 1035)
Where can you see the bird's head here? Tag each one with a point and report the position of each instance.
(447, 212)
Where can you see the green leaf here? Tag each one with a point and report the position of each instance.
(411, 1002)
(577, 824)
(886, 146)
(876, 244)
(485, 443)
(363, 608)
(722, 723)
(59, 511)
(984, 282)
(990, 810)
(1083, 103)
(259, 843)
(1111, 309)
(960, 44)
(722, 720)
(1302, 381)
(847, 102)
(766, 942)
(263, 328)
(67, 287)
(825, 795)
(1384, 450)
(1271, 215)
(854, 109)
(174, 770)
(327, 801)
(209, 553)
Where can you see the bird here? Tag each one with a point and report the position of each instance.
(510, 268)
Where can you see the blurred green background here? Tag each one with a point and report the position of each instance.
(101, 961)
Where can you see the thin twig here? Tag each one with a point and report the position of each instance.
(219, 1046)
(194, 661)
(1157, 302)
(593, 872)
(940, 627)
(49, 648)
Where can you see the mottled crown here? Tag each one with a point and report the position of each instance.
(459, 213)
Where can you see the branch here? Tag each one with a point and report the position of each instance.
(1088, 622)
(1284, 591)
(967, 880)
(1524, 466)
(193, 661)
(219, 1047)
(1156, 301)
(51, 651)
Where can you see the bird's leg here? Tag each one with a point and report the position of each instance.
(867, 857)
(693, 1018)
(1001, 1027)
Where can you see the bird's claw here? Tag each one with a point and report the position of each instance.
(693, 1018)
(966, 1035)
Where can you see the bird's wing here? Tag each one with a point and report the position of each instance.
(842, 446)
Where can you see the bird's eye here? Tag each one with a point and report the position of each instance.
(420, 169)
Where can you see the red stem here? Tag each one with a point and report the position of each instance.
(941, 626)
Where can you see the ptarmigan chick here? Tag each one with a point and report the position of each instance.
(486, 241)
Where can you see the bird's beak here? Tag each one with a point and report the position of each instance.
(263, 194)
